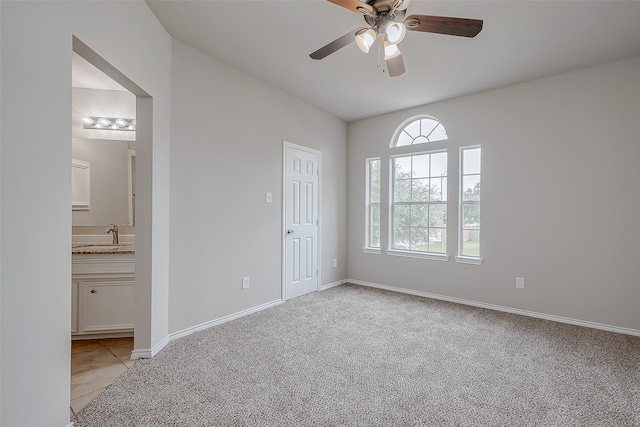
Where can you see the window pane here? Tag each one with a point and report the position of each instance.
(375, 237)
(413, 129)
(402, 167)
(428, 125)
(420, 215)
(438, 164)
(402, 215)
(419, 239)
(470, 215)
(437, 240)
(471, 188)
(421, 166)
(437, 215)
(471, 243)
(438, 189)
(375, 191)
(404, 139)
(471, 161)
(375, 214)
(438, 134)
(402, 190)
(401, 238)
(420, 190)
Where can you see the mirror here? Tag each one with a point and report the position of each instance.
(108, 153)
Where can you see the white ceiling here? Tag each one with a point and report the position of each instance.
(521, 40)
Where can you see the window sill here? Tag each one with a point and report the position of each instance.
(376, 251)
(469, 260)
(421, 255)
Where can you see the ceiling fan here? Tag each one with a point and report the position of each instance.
(386, 20)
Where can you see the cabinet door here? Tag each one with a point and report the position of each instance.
(74, 307)
(107, 306)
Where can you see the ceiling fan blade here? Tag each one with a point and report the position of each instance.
(335, 45)
(399, 4)
(356, 6)
(395, 66)
(444, 25)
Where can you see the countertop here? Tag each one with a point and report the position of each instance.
(103, 248)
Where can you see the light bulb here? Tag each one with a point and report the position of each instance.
(391, 50)
(365, 39)
(104, 122)
(395, 32)
(87, 120)
(121, 123)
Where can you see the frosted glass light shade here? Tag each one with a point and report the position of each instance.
(395, 32)
(365, 39)
(391, 50)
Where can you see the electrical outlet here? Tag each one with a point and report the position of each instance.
(245, 282)
(335, 262)
(520, 282)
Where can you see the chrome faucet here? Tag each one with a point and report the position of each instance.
(114, 230)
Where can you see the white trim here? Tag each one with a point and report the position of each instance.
(131, 154)
(468, 260)
(150, 352)
(70, 424)
(415, 254)
(376, 251)
(285, 145)
(332, 285)
(224, 319)
(552, 317)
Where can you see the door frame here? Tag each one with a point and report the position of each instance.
(285, 146)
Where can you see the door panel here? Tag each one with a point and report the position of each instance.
(301, 222)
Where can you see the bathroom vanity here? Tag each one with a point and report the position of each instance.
(102, 290)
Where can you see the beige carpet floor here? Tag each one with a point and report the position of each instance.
(354, 356)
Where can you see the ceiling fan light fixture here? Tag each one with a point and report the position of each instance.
(395, 32)
(391, 50)
(365, 39)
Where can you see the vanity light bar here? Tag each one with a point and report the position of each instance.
(108, 123)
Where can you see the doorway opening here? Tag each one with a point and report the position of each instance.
(108, 203)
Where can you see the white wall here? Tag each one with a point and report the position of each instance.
(36, 192)
(227, 133)
(560, 202)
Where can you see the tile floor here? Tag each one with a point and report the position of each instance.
(94, 365)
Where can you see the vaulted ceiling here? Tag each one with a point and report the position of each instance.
(521, 40)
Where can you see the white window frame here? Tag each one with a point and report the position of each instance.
(368, 248)
(467, 259)
(408, 252)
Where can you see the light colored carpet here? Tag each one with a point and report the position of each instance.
(354, 356)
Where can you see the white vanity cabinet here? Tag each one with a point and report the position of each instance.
(102, 295)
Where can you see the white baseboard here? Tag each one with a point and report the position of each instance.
(528, 313)
(149, 353)
(332, 285)
(224, 319)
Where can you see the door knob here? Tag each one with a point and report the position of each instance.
(290, 231)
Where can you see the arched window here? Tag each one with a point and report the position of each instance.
(419, 190)
(419, 130)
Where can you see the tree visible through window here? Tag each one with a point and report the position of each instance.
(419, 205)
(373, 203)
(470, 167)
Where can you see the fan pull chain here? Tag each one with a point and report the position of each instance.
(380, 48)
